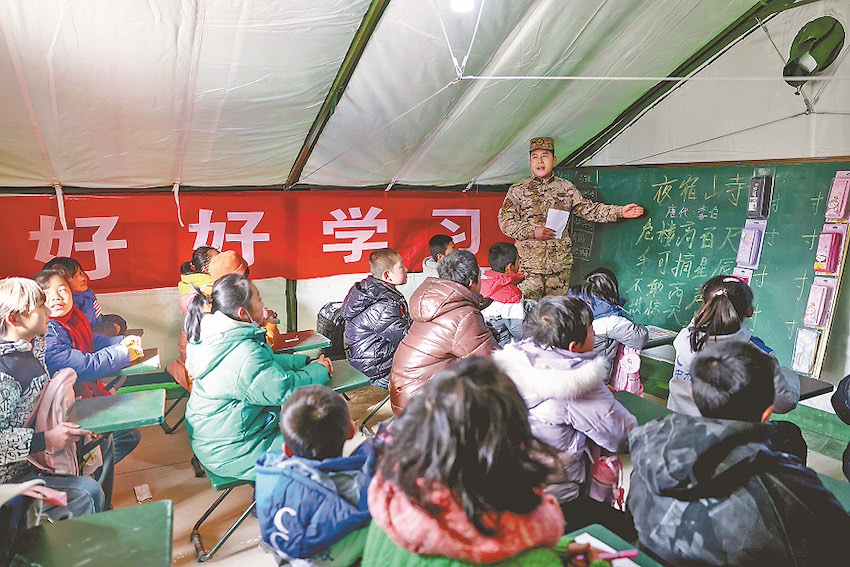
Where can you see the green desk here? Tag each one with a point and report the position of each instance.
(123, 411)
(605, 535)
(659, 336)
(304, 340)
(139, 536)
(644, 410)
(150, 362)
(840, 488)
(347, 378)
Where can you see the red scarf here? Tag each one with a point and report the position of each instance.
(82, 339)
(79, 328)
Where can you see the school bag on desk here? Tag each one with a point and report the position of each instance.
(627, 373)
(329, 322)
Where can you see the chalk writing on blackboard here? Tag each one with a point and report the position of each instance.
(581, 230)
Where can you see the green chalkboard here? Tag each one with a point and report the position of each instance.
(691, 232)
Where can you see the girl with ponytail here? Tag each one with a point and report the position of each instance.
(239, 382)
(726, 304)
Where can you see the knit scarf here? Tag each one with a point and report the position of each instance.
(79, 328)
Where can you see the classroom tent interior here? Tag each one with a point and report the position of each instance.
(181, 96)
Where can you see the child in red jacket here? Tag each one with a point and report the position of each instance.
(507, 312)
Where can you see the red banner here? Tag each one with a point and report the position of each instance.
(129, 242)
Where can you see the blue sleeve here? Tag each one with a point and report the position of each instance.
(88, 366)
(102, 341)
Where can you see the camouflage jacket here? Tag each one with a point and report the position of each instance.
(525, 208)
(721, 492)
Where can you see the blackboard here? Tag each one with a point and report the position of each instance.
(691, 232)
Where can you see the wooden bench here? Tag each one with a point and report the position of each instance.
(139, 536)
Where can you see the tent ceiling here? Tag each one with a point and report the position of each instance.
(124, 91)
(396, 124)
(123, 94)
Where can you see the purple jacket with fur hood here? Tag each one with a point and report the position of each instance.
(570, 407)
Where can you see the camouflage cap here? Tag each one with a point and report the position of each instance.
(542, 144)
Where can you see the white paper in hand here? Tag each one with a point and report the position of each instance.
(557, 220)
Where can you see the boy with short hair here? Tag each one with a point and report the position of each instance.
(109, 325)
(376, 317)
(447, 326)
(507, 311)
(730, 487)
(440, 245)
(23, 377)
(311, 501)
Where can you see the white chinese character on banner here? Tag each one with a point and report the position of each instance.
(246, 235)
(474, 216)
(99, 245)
(358, 229)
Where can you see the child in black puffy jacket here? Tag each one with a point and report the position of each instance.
(376, 317)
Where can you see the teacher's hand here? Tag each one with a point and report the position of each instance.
(543, 233)
(632, 211)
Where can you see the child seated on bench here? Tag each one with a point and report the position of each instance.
(23, 378)
(570, 408)
(376, 317)
(72, 344)
(727, 303)
(462, 476)
(440, 246)
(730, 487)
(109, 325)
(507, 312)
(229, 262)
(600, 290)
(311, 501)
(194, 278)
(447, 326)
(239, 383)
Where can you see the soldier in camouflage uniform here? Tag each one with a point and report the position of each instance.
(732, 488)
(545, 260)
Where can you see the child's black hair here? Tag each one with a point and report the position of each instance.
(438, 244)
(557, 321)
(733, 380)
(229, 293)
(500, 255)
(43, 277)
(711, 285)
(467, 430)
(600, 283)
(200, 261)
(314, 422)
(65, 265)
(726, 303)
(460, 267)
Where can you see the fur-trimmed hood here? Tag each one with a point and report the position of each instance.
(545, 373)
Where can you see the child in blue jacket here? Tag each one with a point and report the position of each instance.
(311, 501)
(109, 325)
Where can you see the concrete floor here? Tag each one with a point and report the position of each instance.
(163, 463)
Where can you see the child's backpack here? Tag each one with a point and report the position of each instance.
(329, 322)
(627, 374)
(606, 481)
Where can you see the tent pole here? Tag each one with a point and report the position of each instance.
(343, 75)
(291, 306)
(746, 24)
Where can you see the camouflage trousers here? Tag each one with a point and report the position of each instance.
(537, 286)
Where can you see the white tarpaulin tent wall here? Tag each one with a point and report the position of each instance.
(120, 95)
(212, 93)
